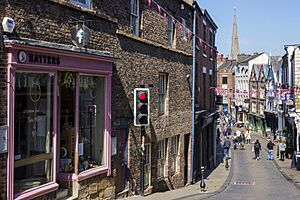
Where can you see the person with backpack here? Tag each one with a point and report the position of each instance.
(257, 148)
(270, 146)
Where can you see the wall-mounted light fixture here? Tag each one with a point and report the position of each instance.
(8, 24)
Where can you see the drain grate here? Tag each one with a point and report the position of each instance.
(243, 183)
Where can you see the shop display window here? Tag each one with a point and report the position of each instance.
(91, 121)
(33, 126)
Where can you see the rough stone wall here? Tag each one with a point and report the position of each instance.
(137, 58)
(139, 61)
(99, 187)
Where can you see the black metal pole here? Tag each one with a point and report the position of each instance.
(142, 159)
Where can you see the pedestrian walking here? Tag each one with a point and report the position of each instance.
(282, 147)
(257, 148)
(248, 137)
(270, 147)
(226, 147)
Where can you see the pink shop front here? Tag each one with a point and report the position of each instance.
(59, 118)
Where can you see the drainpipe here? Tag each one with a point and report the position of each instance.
(193, 92)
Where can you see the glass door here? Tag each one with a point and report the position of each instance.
(67, 102)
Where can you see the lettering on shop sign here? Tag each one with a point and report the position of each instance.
(43, 59)
(38, 58)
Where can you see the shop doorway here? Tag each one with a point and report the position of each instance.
(186, 156)
(121, 167)
(66, 121)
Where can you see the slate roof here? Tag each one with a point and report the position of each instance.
(247, 58)
(229, 65)
(242, 57)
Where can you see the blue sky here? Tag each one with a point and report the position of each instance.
(263, 25)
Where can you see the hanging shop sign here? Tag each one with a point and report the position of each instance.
(33, 58)
(80, 35)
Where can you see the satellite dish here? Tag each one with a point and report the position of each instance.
(80, 35)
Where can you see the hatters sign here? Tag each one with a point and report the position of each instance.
(38, 58)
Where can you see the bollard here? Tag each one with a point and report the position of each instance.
(202, 183)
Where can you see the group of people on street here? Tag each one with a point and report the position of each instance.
(237, 139)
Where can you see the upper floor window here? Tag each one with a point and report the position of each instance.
(162, 92)
(183, 29)
(204, 38)
(170, 31)
(134, 17)
(83, 3)
(204, 32)
(211, 38)
(211, 42)
(224, 80)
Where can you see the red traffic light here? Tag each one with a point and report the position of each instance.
(92, 108)
(141, 107)
(143, 96)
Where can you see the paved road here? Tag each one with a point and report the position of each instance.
(255, 180)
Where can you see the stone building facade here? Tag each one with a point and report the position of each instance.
(128, 44)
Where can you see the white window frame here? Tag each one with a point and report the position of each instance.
(174, 152)
(147, 166)
(87, 4)
(161, 148)
(135, 16)
(162, 93)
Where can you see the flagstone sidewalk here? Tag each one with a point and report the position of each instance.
(216, 182)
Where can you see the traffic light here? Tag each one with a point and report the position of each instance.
(141, 106)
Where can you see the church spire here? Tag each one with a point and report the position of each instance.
(235, 40)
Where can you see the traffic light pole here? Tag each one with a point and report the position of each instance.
(142, 159)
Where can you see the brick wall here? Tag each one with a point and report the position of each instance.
(204, 95)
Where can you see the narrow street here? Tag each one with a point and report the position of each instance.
(254, 179)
